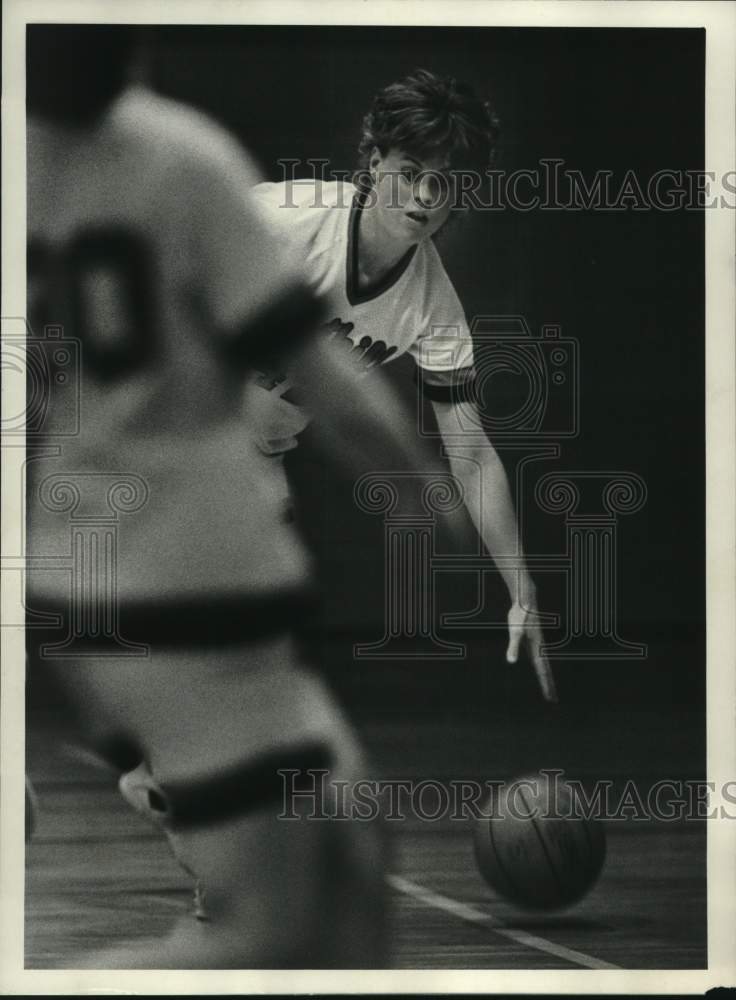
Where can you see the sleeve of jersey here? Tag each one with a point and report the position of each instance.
(252, 286)
(444, 351)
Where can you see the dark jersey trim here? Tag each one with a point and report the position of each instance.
(245, 788)
(211, 620)
(460, 390)
(354, 295)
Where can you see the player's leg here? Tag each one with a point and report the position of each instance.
(280, 892)
(352, 896)
(142, 792)
(297, 895)
(314, 886)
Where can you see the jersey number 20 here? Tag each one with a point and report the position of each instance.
(98, 287)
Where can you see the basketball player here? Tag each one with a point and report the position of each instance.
(369, 250)
(144, 245)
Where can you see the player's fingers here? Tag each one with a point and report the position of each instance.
(545, 676)
(515, 634)
(516, 618)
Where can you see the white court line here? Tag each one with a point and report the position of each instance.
(472, 915)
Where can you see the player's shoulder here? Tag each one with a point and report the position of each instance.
(177, 132)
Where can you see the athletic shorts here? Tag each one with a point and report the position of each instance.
(194, 713)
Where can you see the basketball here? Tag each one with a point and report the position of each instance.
(532, 847)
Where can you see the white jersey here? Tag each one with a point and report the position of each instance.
(415, 309)
(144, 246)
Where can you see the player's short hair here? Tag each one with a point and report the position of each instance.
(427, 115)
(73, 71)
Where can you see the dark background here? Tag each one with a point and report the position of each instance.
(629, 286)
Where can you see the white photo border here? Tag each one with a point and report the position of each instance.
(719, 20)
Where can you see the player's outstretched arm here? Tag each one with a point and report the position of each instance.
(490, 505)
(361, 421)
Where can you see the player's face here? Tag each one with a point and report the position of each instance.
(412, 196)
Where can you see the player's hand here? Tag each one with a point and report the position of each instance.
(276, 423)
(524, 627)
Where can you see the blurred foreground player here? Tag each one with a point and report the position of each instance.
(142, 244)
(369, 249)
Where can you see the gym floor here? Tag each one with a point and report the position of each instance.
(97, 874)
